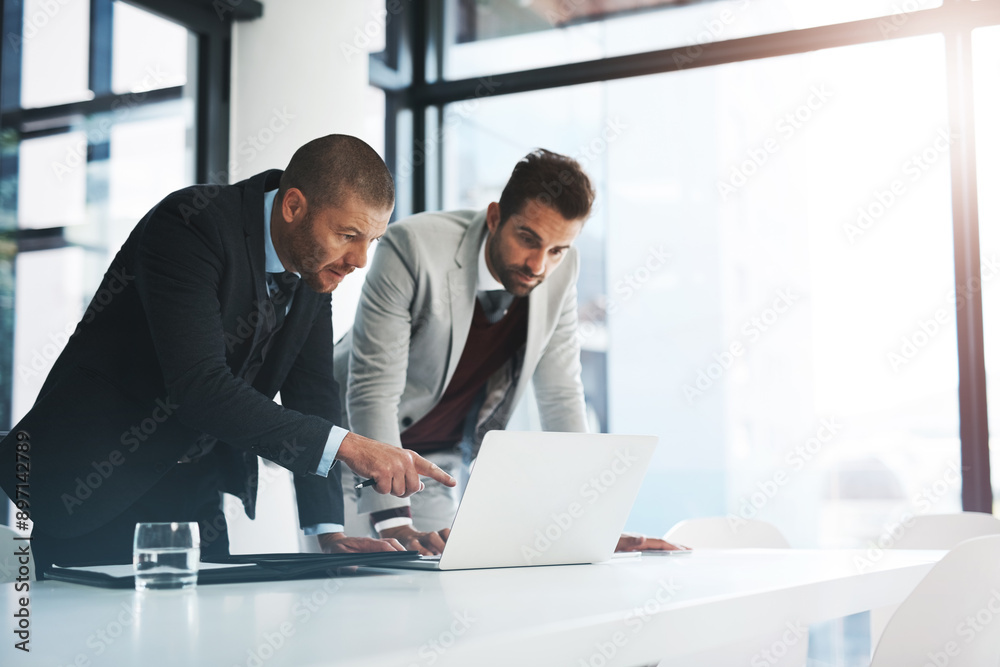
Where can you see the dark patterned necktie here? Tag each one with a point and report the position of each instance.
(281, 288)
(495, 304)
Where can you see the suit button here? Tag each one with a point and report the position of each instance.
(407, 422)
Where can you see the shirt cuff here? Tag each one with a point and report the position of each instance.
(390, 518)
(392, 523)
(333, 443)
(321, 528)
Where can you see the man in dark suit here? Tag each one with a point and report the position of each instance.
(162, 398)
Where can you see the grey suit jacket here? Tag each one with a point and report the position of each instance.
(413, 320)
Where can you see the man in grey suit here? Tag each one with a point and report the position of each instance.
(459, 311)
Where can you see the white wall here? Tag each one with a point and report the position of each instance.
(296, 76)
(291, 60)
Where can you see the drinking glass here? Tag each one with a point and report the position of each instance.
(166, 555)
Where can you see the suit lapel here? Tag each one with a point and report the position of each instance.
(253, 231)
(462, 291)
(288, 341)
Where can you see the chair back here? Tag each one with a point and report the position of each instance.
(721, 532)
(945, 531)
(951, 617)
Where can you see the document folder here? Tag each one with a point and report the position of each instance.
(241, 568)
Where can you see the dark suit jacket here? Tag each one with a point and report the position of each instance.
(157, 361)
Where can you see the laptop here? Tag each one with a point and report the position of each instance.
(544, 499)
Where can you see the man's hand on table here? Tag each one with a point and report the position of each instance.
(635, 542)
(394, 469)
(338, 543)
(428, 544)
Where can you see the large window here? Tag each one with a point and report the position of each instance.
(105, 107)
(84, 176)
(773, 279)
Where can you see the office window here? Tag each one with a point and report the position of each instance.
(54, 52)
(52, 183)
(374, 128)
(809, 215)
(509, 35)
(77, 178)
(149, 52)
(150, 157)
(51, 299)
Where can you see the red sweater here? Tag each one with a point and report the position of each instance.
(487, 349)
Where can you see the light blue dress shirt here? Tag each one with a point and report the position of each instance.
(337, 434)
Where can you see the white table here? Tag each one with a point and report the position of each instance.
(627, 613)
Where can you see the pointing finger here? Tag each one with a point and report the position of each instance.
(428, 469)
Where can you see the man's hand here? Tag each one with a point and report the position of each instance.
(634, 542)
(427, 544)
(338, 543)
(394, 469)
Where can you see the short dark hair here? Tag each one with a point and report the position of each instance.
(331, 168)
(549, 179)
